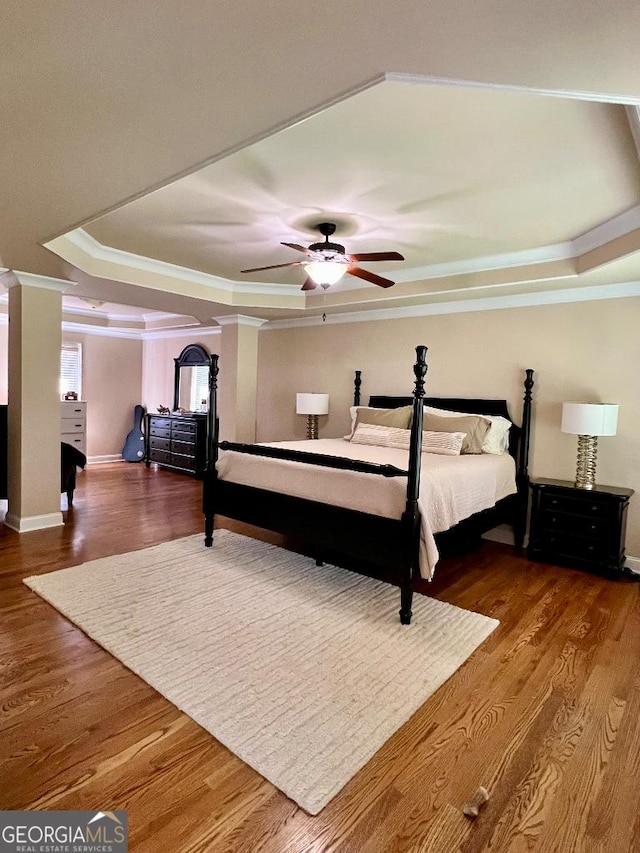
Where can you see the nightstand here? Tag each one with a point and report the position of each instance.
(582, 528)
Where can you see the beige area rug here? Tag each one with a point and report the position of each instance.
(301, 671)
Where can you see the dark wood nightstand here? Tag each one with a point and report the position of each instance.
(582, 528)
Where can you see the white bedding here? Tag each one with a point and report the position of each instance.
(451, 489)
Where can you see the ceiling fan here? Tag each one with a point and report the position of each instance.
(327, 262)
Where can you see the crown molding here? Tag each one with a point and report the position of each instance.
(13, 278)
(239, 320)
(573, 94)
(462, 306)
(133, 334)
(98, 251)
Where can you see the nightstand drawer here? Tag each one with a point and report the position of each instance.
(583, 505)
(564, 544)
(580, 525)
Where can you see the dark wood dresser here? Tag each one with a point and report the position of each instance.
(178, 442)
(582, 528)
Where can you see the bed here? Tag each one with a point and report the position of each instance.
(365, 507)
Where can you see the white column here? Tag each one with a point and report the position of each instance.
(35, 339)
(238, 377)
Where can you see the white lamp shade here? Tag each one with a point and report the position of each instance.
(589, 418)
(325, 272)
(312, 404)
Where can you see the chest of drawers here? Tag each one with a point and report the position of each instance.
(73, 424)
(583, 528)
(177, 442)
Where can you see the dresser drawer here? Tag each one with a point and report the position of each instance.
(159, 423)
(587, 506)
(184, 448)
(183, 428)
(75, 439)
(68, 425)
(158, 443)
(159, 431)
(157, 455)
(73, 409)
(183, 461)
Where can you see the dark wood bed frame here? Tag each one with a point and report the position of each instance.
(348, 537)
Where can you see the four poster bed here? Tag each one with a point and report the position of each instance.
(357, 504)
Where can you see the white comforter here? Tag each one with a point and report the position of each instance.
(451, 489)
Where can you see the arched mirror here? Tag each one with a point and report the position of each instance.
(191, 379)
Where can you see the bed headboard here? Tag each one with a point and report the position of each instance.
(469, 405)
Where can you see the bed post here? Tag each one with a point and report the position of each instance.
(213, 426)
(522, 475)
(357, 382)
(411, 515)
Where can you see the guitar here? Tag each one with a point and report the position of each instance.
(133, 450)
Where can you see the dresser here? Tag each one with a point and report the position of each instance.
(582, 528)
(73, 424)
(178, 442)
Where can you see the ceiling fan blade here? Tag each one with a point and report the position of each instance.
(297, 248)
(275, 266)
(370, 276)
(309, 284)
(377, 256)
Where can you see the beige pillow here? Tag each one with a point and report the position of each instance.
(443, 443)
(475, 427)
(383, 417)
(497, 438)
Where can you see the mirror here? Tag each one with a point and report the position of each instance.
(191, 372)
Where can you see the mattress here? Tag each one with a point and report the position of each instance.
(451, 487)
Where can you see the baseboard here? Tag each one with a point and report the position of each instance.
(25, 524)
(100, 460)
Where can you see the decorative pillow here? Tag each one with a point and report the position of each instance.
(443, 443)
(385, 417)
(475, 427)
(496, 439)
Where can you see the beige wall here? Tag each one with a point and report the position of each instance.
(587, 351)
(111, 386)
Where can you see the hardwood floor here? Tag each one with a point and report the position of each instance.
(545, 715)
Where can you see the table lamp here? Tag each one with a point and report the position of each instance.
(588, 421)
(312, 405)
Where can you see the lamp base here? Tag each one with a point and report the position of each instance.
(586, 466)
(312, 426)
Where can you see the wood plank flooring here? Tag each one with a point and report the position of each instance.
(545, 715)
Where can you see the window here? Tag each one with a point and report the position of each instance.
(199, 388)
(71, 369)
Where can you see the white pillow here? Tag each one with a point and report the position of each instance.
(443, 443)
(497, 438)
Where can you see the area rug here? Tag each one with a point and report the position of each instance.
(301, 671)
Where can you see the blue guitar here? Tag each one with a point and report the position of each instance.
(133, 450)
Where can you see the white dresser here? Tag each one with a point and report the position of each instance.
(73, 424)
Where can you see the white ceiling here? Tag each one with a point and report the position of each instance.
(480, 187)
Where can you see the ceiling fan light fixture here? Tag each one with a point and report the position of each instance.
(325, 272)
